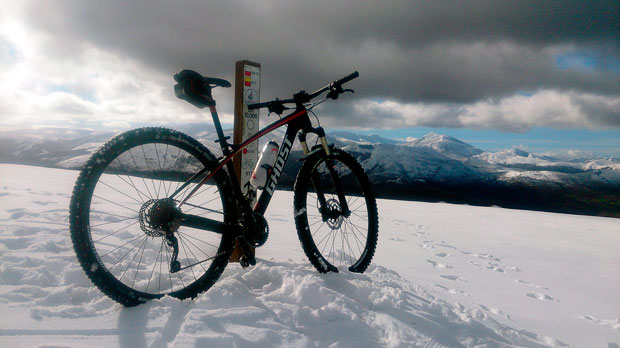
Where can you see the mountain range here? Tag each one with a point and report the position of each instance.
(434, 167)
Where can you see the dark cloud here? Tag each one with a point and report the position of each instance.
(409, 51)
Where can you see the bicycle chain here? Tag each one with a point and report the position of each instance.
(214, 256)
(203, 208)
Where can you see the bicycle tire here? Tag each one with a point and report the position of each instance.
(107, 213)
(357, 232)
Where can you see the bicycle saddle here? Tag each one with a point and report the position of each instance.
(196, 88)
(191, 74)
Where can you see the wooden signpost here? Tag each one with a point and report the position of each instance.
(247, 91)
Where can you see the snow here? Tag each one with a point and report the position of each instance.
(443, 276)
(447, 145)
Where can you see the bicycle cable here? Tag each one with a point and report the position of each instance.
(311, 106)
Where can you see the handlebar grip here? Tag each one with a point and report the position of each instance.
(258, 106)
(348, 78)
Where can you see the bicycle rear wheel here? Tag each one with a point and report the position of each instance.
(118, 216)
(335, 212)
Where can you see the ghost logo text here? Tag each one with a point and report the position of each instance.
(285, 150)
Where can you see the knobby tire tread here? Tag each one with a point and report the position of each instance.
(303, 181)
(80, 210)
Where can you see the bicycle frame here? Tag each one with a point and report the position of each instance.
(297, 121)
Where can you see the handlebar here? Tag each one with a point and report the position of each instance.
(302, 97)
(348, 78)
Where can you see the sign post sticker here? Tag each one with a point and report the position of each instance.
(251, 95)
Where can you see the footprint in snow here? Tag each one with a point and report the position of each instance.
(396, 239)
(494, 267)
(44, 202)
(444, 245)
(484, 256)
(525, 282)
(452, 291)
(441, 255)
(438, 264)
(612, 323)
(453, 277)
(541, 297)
(495, 311)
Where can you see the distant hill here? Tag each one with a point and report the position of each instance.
(432, 168)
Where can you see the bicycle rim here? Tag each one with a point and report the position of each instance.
(127, 181)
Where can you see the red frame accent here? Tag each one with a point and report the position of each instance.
(256, 136)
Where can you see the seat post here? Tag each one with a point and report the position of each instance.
(220, 132)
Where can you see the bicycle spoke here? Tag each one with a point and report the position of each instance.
(207, 202)
(168, 265)
(140, 193)
(186, 257)
(115, 232)
(113, 222)
(160, 262)
(353, 228)
(109, 201)
(178, 276)
(148, 168)
(154, 265)
(359, 216)
(106, 213)
(123, 193)
(200, 240)
(194, 255)
(133, 258)
(143, 181)
(174, 170)
(359, 206)
(117, 248)
(159, 164)
(188, 187)
(349, 246)
(164, 166)
(328, 234)
(139, 262)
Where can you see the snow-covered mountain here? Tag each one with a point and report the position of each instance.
(49, 146)
(433, 167)
(446, 145)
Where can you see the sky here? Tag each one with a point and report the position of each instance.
(541, 75)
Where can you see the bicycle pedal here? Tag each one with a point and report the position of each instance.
(246, 261)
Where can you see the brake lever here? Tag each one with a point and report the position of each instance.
(336, 91)
(276, 107)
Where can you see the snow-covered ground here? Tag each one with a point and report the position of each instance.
(443, 276)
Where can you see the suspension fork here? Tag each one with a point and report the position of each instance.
(316, 182)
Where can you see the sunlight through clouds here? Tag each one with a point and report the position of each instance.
(508, 66)
(518, 113)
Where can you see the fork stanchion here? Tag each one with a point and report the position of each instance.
(247, 91)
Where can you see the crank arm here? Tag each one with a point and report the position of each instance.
(247, 258)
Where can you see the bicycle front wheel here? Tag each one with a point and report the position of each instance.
(336, 212)
(120, 217)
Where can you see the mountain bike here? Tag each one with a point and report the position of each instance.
(155, 213)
